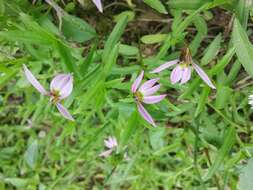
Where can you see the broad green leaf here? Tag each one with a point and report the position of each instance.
(24, 37)
(114, 37)
(186, 4)
(88, 60)
(129, 129)
(128, 50)
(243, 47)
(232, 75)
(31, 154)
(222, 97)
(202, 100)
(242, 8)
(129, 14)
(111, 61)
(77, 29)
(17, 182)
(156, 137)
(229, 140)
(153, 38)
(68, 61)
(157, 5)
(201, 27)
(211, 51)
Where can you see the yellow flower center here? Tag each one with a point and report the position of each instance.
(138, 96)
(184, 65)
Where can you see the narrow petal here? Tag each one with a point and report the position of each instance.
(106, 153)
(137, 82)
(151, 91)
(65, 113)
(145, 114)
(63, 83)
(176, 74)
(31, 78)
(148, 84)
(98, 4)
(153, 99)
(114, 141)
(203, 75)
(164, 66)
(108, 143)
(186, 75)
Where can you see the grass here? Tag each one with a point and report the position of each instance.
(204, 137)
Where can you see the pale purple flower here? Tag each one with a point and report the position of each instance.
(111, 144)
(98, 4)
(60, 88)
(144, 94)
(182, 72)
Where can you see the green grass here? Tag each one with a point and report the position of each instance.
(204, 137)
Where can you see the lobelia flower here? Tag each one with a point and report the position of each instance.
(144, 94)
(111, 144)
(183, 69)
(60, 88)
(98, 4)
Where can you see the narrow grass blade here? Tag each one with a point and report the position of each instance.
(228, 143)
(243, 47)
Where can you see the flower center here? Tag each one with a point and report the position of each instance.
(138, 96)
(185, 57)
(55, 96)
(184, 65)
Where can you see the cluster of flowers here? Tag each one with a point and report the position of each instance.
(62, 84)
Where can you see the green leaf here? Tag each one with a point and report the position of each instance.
(68, 62)
(77, 29)
(157, 138)
(235, 69)
(128, 50)
(157, 5)
(130, 128)
(222, 97)
(212, 50)
(31, 154)
(153, 38)
(129, 14)
(2, 7)
(24, 37)
(88, 60)
(243, 47)
(177, 32)
(246, 176)
(114, 37)
(242, 8)
(228, 143)
(202, 100)
(186, 4)
(111, 61)
(17, 182)
(201, 27)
